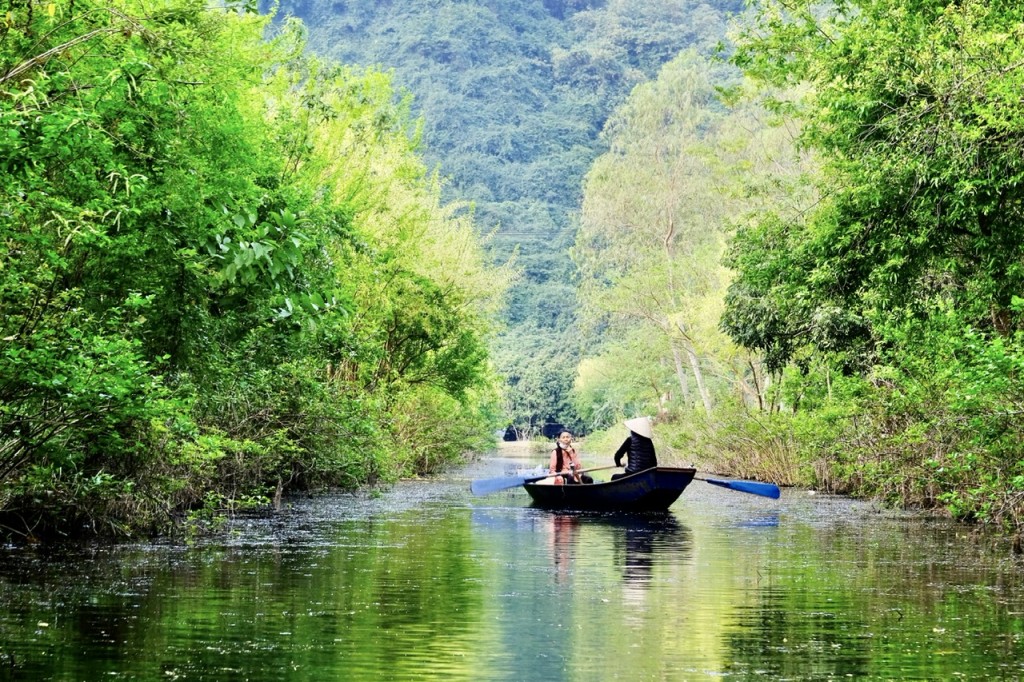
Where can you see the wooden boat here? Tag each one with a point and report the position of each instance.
(649, 490)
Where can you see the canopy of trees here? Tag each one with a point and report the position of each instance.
(906, 278)
(515, 95)
(225, 272)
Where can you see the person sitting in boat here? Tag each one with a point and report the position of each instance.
(566, 461)
(638, 447)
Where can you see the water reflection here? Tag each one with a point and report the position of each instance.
(640, 540)
(426, 582)
(760, 521)
(633, 543)
(563, 533)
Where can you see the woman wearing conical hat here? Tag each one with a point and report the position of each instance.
(638, 447)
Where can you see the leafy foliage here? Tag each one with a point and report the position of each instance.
(906, 275)
(514, 96)
(924, 168)
(682, 170)
(223, 264)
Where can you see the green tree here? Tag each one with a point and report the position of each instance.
(923, 166)
(225, 269)
(909, 265)
(682, 171)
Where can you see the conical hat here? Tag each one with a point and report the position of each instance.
(640, 425)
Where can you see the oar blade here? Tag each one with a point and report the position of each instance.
(763, 489)
(492, 485)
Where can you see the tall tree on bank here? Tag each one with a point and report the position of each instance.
(226, 272)
(682, 171)
(908, 273)
(643, 232)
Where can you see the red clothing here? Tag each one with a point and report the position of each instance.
(561, 458)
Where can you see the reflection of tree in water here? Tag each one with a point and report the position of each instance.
(565, 530)
(768, 639)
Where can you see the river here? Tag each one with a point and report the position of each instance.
(425, 581)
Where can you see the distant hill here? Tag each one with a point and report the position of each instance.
(515, 94)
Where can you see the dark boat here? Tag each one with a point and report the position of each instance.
(649, 490)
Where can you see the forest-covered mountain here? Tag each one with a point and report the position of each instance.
(514, 95)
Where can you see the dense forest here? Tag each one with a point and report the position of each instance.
(226, 273)
(790, 232)
(280, 246)
(514, 96)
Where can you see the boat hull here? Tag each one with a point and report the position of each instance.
(649, 490)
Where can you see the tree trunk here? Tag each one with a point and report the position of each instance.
(684, 384)
(698, 375)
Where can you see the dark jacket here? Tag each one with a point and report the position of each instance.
(640, 453)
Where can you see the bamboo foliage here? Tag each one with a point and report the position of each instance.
(892, 308)
(224, 265)
(682, 171)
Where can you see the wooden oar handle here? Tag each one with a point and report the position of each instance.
(582, 471)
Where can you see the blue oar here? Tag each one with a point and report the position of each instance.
(492, 485)
(763, 489)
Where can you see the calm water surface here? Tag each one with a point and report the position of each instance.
(428, 582)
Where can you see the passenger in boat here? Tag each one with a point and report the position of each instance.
(638, 447)
(565, 460)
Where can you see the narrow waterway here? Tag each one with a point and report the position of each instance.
(426, 581)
